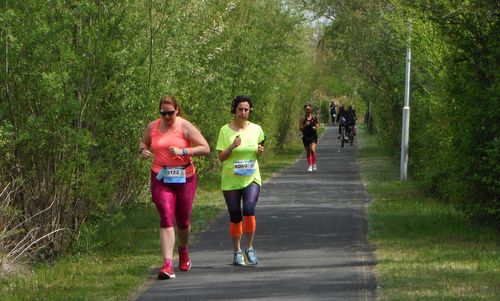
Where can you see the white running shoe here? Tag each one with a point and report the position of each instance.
(310, 169)
(314, 167)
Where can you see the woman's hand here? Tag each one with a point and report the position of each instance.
(175, 151)
(260, 150)
(145, 153)
(236, 142)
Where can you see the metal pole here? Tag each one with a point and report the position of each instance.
(405, 130)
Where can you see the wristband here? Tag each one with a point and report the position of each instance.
(184, 151)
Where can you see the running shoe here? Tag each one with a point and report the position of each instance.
(238, 258)
(167, 271)
(251, 258)
(310, 168)
(184, 261)
(314, 167)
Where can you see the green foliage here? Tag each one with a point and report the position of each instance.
(425, 248)
(82, 81)
(325, 112)
(454, 87)
(471, 86)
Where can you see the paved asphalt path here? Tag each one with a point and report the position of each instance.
(311, 240)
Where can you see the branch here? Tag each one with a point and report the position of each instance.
(31, 217)
(25, 249)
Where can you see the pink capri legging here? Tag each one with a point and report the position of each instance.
(173, 200)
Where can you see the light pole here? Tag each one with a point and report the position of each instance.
(405, 130)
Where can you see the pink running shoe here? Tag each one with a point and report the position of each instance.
(167, 271)
(184, 261)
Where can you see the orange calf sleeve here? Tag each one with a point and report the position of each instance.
(249, 224)
(235, 229)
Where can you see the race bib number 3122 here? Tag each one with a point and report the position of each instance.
(172, 175)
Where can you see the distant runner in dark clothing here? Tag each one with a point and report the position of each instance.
(333, 111)
(308, 126)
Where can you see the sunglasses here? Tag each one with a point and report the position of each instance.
(169, 113)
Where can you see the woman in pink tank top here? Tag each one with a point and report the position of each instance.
(171, 141)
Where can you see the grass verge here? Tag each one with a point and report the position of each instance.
(426, 248)
(127, 252)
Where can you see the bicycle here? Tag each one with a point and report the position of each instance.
(350, 134)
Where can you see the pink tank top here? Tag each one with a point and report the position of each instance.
(160, 142)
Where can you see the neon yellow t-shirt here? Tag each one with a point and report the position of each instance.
(242, 167)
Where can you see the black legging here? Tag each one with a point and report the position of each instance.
(250, 196)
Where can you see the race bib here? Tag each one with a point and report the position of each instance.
(172, 175)
(244, 167)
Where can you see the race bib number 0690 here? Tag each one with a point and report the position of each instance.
(244, 167)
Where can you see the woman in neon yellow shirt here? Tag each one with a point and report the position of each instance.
(239, 144)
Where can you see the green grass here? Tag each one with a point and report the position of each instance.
(127, 251)
(270, 164)
(426, 248)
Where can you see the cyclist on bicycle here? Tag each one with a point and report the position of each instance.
(341, 116)
(351, 120)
